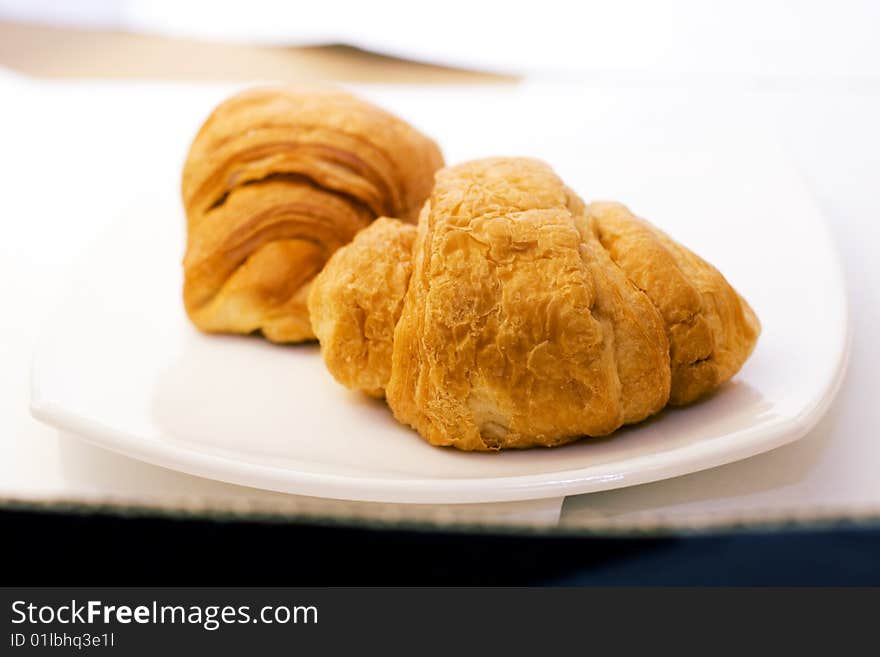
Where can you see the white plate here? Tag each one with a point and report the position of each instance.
(120, 365)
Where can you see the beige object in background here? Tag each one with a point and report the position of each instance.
(275, 181)
(529, 318)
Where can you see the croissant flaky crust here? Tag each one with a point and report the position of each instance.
(710, 327)
(519, 316)
(275, 181)
(356, 305)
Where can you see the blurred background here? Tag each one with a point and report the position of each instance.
(673, 40)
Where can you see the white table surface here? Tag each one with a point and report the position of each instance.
(70, 145)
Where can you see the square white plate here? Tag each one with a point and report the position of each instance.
(120, 365)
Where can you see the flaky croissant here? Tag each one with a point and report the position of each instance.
(275, 181)
(516, 315)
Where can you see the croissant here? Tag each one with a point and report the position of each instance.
(275, 181)
(515, 315)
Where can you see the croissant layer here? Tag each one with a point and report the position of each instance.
(275, 181)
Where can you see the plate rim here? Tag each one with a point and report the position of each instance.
(748, 442)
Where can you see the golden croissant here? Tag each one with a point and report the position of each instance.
(515, 315)
(275, 181)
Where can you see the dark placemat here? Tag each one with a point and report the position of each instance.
(46, 548)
